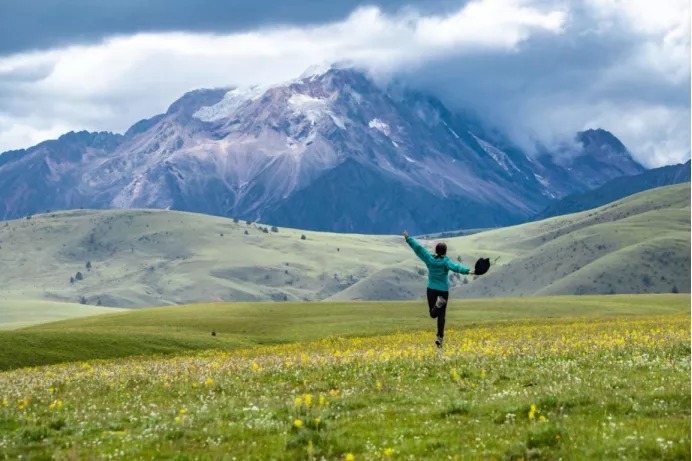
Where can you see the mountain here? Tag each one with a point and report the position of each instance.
(618, 188)
(141, 258)
(329, 151)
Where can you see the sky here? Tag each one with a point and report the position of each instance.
(539, 70)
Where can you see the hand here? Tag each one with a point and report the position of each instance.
(405, 234)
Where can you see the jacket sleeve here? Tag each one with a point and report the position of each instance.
(454, 267)
(421, 252)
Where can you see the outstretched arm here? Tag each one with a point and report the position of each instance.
(421, 252)
(454, 267)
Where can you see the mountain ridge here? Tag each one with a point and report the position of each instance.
(253, 152)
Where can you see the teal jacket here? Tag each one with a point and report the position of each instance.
(438, 268)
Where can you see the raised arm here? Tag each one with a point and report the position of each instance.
(454, 267)
(421, 252)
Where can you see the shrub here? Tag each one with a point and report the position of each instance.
(275, 229)
(79, 276)
(303, 237)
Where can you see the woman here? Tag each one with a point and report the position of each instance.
(438, 280)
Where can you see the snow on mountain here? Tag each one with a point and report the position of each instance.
(379, 125)
(230, 103)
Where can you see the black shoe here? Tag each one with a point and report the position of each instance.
(438, 341)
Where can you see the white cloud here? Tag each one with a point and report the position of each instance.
(111, 84)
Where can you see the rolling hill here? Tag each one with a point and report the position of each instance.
(148, 258)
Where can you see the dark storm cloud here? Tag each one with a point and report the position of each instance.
(42, 24)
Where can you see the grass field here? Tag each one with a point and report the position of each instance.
(546, 378)
(182, 328)
(154, 258)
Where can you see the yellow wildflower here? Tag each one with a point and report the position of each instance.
(182, 411)
(532, 413)
(308, 400)
(542, 418)
(56, 404)
(298, 402)
(208, 382)
(388, 452)
(298, 423)
(349, 457)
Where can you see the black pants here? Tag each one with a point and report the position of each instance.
(439, 313)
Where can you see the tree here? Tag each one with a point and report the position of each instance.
(88, 265)
(71, 279)
(275, 229)
(82, 300)
(303, 237)
(247, 233)
(79, 276)
(236, 220)
(248, 222)
(675, 289)
(265, 230)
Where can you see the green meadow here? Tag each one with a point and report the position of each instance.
(603, 377)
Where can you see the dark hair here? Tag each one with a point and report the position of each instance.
(440, 250)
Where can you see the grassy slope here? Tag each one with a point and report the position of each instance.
(145, 258)
(17, 314)
(148, 258)
(181, 328)
(638, 245)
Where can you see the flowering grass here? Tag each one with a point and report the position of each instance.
(571, 388)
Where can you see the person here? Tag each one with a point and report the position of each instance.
(438, 266)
